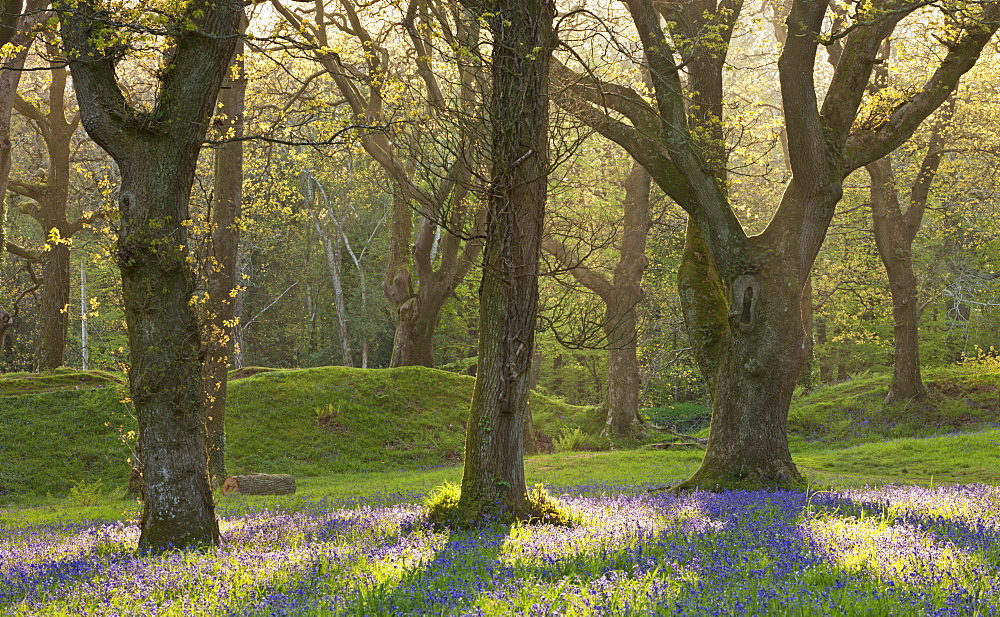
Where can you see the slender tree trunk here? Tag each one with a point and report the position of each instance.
(334, 262)
(493, 482)
(53, 309)
(223, 286)
(895, 242)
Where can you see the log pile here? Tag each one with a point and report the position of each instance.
(259, 484)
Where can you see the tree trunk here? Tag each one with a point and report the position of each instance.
(760, 358)
(223, 286)
(165, 359)
(623, 372)
(895, 244)
(416, 321)
(53, 309)
(14, 29)
(620, 324)
(156, 152)
(493, 482)
(334, 262)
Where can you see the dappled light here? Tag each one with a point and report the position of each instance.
(899, 549)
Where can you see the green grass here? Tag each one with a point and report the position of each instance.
(15, 384)
(64, 428)
(52, 440)
(960, 398)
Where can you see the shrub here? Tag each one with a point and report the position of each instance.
(443, 510)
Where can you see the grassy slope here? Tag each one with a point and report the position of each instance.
(65, 432)
(960, 399)
(307, 422)
(371, 424)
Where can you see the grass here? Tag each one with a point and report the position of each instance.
(63, 428)
(960, 398)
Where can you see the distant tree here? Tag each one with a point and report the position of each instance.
(416, 95)
(55, 123)
(223, 285)
(620, 293)
(493, 482)
(155, 142)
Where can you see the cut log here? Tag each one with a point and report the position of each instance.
(259, 484)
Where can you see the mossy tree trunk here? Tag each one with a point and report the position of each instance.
(493, 483)
(156, 152)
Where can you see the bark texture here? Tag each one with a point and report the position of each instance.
(156, 152)
(259, 484)
(493, 482)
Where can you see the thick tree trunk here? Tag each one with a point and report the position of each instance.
(759, 361)
(157, 152)
(703, 303)
(623, 386)
(53, 309)
(165, 375)
(493, 483)
(223, 286)
(416, 320)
